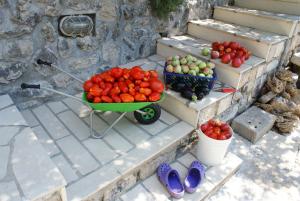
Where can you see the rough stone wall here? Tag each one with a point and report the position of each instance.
(125, 30)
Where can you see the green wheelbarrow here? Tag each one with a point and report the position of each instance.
(144, 112)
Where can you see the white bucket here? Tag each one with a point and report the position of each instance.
(209, 151)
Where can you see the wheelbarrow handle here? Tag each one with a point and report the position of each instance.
(30, 86)
(40, 61)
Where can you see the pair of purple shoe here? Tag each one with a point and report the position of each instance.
(171, 180)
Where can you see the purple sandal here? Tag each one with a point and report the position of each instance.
(194, 177)
(171, 180)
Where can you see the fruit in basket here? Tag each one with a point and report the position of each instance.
(185, 68)
(216, 129)
(205, 51)
(210, 65)
(170, 69)
(175, 62)
(183, 61)
(192, 72)
(202, 65)
(178, 69)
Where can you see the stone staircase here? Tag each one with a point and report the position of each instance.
(129, 155)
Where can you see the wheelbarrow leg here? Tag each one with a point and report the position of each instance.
(97, 136)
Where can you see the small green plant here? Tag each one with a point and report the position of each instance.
(162, 8)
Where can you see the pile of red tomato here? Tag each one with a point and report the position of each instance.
(123, 85)
(216, 129)
(230, 52)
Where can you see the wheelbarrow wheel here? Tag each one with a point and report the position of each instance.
(153, 112)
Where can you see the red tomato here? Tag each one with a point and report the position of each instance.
(90, 97)
(225, 127)
(116, 90)
(126, 98)
(132, 91)
(116, 72)
(96, 90)
(102, 85)
(137, 74)
(209, 132)
(214, 136)
(154, 97)
(116, 98)
(140, 97)
(146, 91)
(106, 99)
(222, 137)
(87, 85)
(144, 84)
(108, 86)
(153, 74)
(138, 82)
(204, 127)
(156, 85)
(136, 68)
(97, 100)
(96, 79)
(109, 78)
(217, 130)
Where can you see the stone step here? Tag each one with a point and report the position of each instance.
(262, 44)
(26, 171)
(215, 177)
(282, 24)
(235, 77)
(291, 7)
(296, 58)
(200, 111)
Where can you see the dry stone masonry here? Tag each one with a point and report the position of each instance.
(124, 30)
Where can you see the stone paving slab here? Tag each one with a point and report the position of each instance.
(81, 159)
(168, 118)
(9, 192)
(153, 185)
(33, 181)
(7, 133)
(132, 133)
(54, 127)
(114, 139)
(153, 129)
(139, 193)
(5, 101)
(12, 117)
(65, 168)
(100, 150)
(76, 125)
(57, 106)
(4, 156)
(46, 141)
(30, 118)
